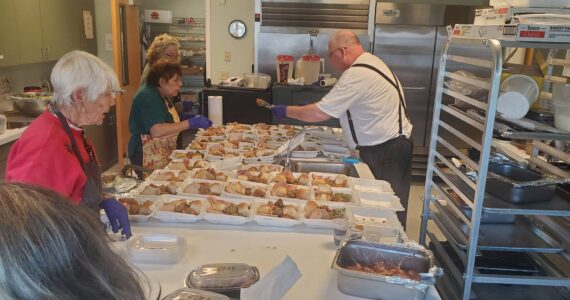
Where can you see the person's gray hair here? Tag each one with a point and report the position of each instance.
(79, 69)
(53, 249)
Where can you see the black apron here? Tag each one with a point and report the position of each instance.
(93, 189)
(401, 104)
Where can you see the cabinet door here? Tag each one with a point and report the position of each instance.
(9, 54)
(61, 27)
(29, 31)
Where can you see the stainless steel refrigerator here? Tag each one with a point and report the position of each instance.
(409, 37)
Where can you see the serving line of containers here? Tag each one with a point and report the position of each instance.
(237, 193)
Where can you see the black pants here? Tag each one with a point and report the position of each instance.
(392, 161)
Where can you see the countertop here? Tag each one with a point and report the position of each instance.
(312, 249)
(264, 247)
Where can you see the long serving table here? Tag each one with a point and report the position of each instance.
(264, 247)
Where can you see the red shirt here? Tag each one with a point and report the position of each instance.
(44, 156)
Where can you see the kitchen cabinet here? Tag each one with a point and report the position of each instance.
(47, 29)
(9, 53)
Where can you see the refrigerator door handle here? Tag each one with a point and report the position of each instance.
(415, 88)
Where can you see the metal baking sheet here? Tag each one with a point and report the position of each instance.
(558, 206)
(521, 236)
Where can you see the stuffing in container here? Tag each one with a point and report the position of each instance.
(381, 271)
(223, 278)
(194, 294)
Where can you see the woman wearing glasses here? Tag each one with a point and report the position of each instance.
(53, 151)
(163, 46)
(154, 123)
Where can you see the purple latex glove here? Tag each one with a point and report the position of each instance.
(118, 216)
(279, 111)
(199, 122)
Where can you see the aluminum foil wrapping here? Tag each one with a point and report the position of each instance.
(541, 182)
(119, 186)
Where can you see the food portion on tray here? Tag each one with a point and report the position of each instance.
(284, 190)
(289, 177)
(253, 176)
(278, 209)
(201, 187)
(187, 164)
(158, 188)
(324, 192)
(219, 206)
(244, 188)
(182, 206)
(313, 210)
(330, 179)
(209, 174)
(134, 207)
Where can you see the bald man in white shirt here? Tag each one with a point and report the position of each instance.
(369, 101)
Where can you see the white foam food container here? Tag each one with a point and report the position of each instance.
(377, 217)
(182, 154)
(270, 194)
(323, 223)
(176, 217)
(332, 177)
(156, 248)
(246, 185)
(275, 221)
(269, 167)
(295, 174)
(212, 131)
(138, 192)
(221, 218)
(306, 153)
(227, 174)
(372, 185)
(245, 146)
(260, 159)
(379, 200)
(189, 181)
(324, 135)
(197, 146)
(253, 176)
(335, 191)
(384, 235)
(209, 139)
(179, 164)
(140, 218)
(158, 175)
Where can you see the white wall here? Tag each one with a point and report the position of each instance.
(103, 29)
(220, 41)
(27, 74)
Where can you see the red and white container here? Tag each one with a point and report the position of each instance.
(284, 66)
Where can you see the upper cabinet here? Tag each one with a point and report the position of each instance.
(9, 50)
(43, 30)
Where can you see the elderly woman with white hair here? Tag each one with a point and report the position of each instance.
(53, 151)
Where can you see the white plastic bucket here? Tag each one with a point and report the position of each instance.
(518, 93)
(308, 67)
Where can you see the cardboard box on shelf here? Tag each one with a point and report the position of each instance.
(543, 33)
(504, 32)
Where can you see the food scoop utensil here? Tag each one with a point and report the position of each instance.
(263, 103)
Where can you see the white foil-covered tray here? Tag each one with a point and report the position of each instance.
(380, 200)
(377, 217)
(372, 185)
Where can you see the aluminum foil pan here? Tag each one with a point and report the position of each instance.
(118, 185)
(383, 271)
(521, 177)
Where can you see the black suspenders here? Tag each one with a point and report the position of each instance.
(401, 104)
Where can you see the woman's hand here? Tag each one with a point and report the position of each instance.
(118, 216)
(199, 122)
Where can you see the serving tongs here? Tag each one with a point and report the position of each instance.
(263, 103)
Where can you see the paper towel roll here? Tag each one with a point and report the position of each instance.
(215, 110)
(327, 82)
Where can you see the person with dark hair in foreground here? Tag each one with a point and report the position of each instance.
(52, 249)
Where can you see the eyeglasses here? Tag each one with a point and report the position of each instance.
(116, 92)
(170, 55)
(335, 50)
